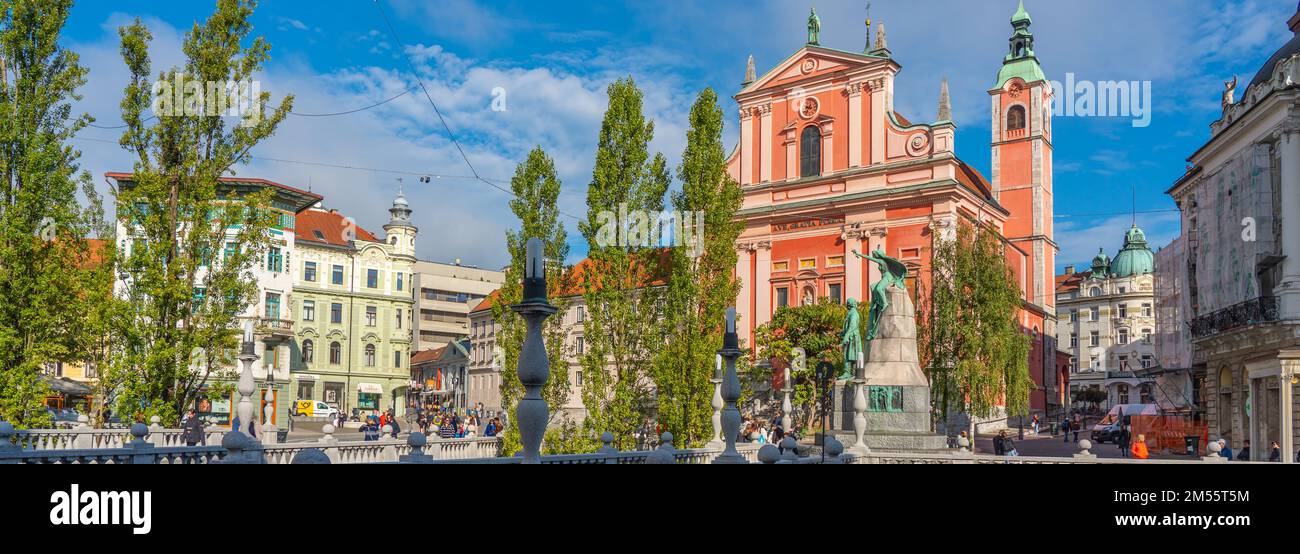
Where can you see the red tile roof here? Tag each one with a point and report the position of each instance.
(330, 224)
(486, 304)
(973, 180)
(575, 288)
(425, 356)
(1071, 281)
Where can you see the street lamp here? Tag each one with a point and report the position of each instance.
(824, 371)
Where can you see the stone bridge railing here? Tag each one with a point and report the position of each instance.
(83, 436)
(238, 448)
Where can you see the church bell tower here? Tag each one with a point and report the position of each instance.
(1022, 160)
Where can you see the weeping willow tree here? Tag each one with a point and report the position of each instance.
(972, 346)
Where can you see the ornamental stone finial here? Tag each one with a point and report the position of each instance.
(750, 73)
(945, 103)
(881, 43)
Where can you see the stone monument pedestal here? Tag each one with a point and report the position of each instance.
(898, 393)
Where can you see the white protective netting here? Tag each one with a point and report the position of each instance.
(1173, 336)
(1230, 199)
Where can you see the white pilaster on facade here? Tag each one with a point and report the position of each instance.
(746, 147)
(877, 121)
(762, 284)
(1289, 287)
(854, 91)
(765, 144)
(828, 149)
(791, 157)
(852, 264)
(744, 261)
(1286, 406)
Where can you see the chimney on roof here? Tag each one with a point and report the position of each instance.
(1294, 22)
(1069, 270)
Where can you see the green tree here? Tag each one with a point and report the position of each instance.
(815, 328)
(621, 277)
(45, 260)
(971, 344)
(536, 204)
(192, 243)
(701, 283)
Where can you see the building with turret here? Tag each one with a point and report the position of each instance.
(1106, 319)
(1239, 252)
(827, 166)
(353, 309)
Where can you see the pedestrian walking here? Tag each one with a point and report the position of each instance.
(1065, 431)
(396, 428)
(1139, 448)
(1123, 440)
(1275, 454)
(1035, 423)
(192, 432)
(1244, 455)
(370, 429)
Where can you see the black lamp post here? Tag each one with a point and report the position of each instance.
(823, 372)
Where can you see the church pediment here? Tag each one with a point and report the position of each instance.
(811, 61)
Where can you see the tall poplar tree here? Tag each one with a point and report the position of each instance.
(45, 260)
(622, 330)
(701, 283)
(536, 203)
(971, 344)
(186, 274)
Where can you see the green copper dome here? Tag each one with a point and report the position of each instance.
(1100, 264)
(1135, 258)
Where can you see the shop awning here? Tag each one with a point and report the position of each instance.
(66, 387)
(370, 388)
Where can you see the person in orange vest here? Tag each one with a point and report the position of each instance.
(1139, 448)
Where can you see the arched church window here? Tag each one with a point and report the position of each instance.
(810, 152)
(1016, 118)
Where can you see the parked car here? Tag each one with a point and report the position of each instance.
(1107, 430)
(318, 409)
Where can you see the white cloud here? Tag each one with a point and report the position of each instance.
(459, 218)
(1081, 237)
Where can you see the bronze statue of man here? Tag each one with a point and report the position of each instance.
(851, 339)
(892, 272)
(814, 28)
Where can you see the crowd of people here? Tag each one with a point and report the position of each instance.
(448, 423)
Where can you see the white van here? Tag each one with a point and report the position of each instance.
(1107, 430)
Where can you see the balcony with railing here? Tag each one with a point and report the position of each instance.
(1251, 312)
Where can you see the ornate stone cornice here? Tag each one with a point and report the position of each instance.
(881, 232)
(765, 109)
(745, 114)
(876, 84)
(854, 89)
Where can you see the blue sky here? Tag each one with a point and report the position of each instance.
(554, 60)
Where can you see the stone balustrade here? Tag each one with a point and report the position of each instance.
(140, 446)
(83, 436)
(135, 450)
